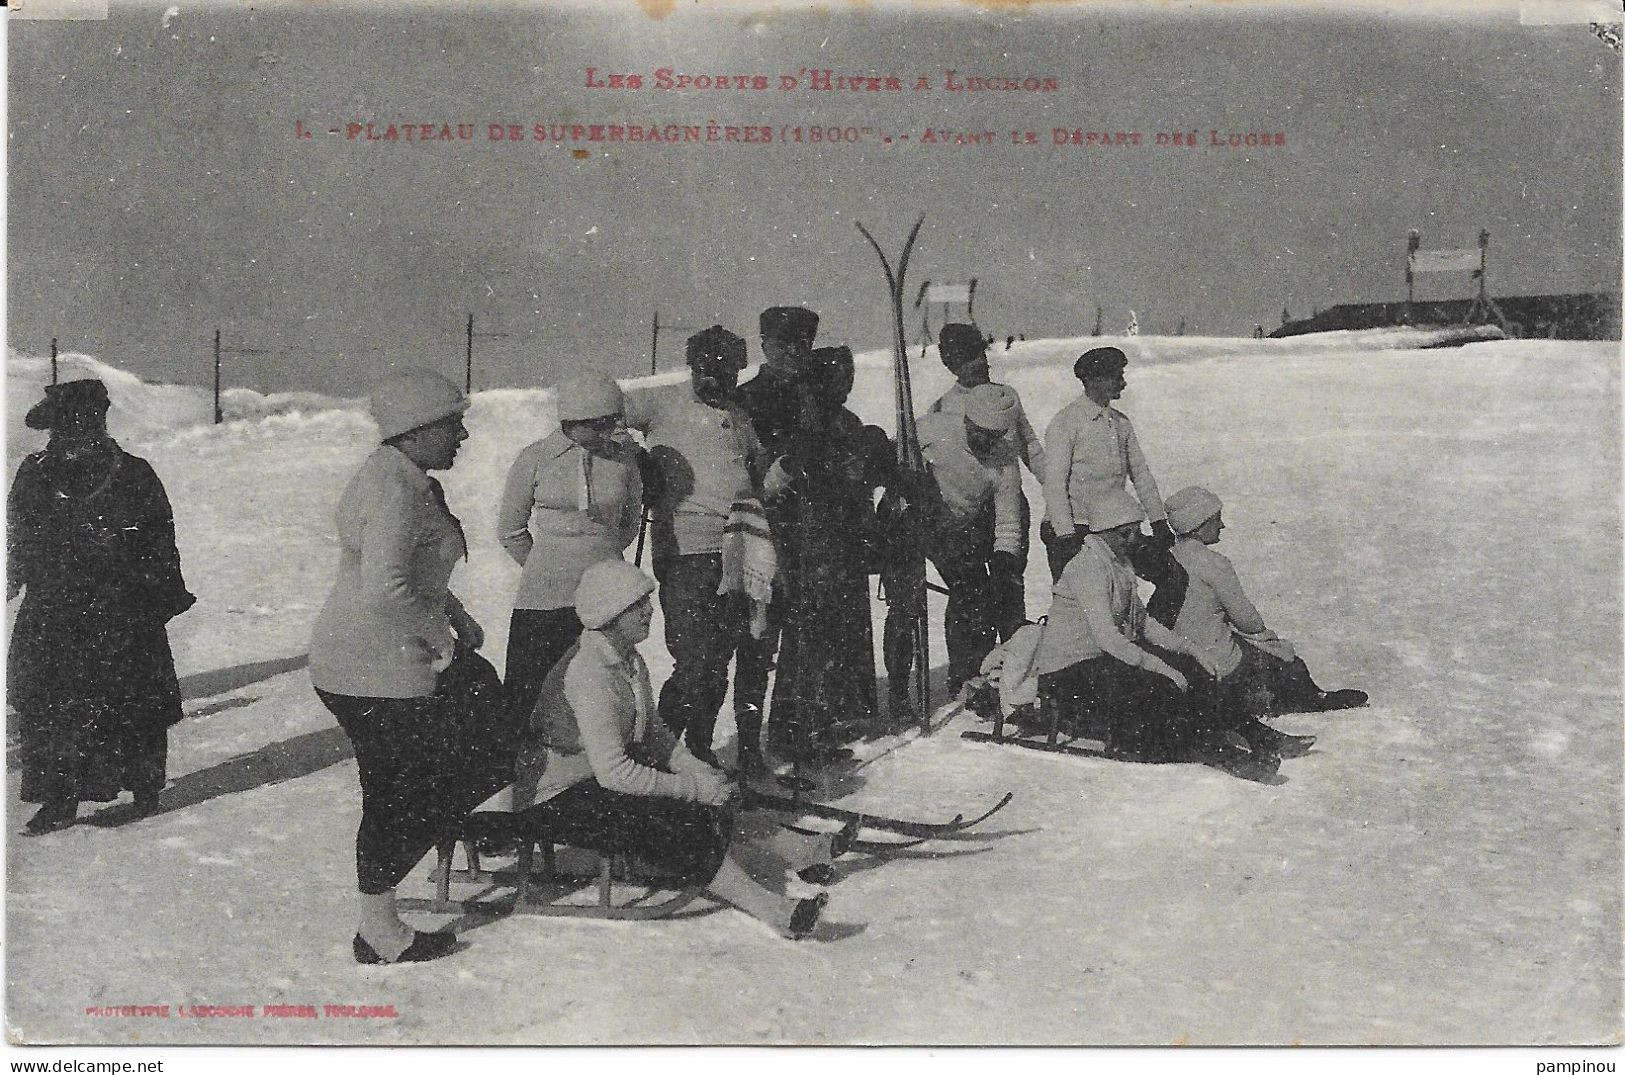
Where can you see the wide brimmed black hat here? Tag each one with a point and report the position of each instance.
(67, 404)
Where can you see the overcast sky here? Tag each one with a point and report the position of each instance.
(158, 189)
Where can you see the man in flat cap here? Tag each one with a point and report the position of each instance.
(1089, 450)
(971, 470)
(963, 350)
(780, 405)
(710, 462)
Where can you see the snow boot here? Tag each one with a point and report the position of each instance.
(1347, 698)
(1236, 753)
(424, 947)
(54, 816)
(790, 917)
(1300, 693)
(1274, 741)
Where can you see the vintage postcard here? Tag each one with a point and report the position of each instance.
(403, 399)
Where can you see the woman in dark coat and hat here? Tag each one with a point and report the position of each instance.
(91, 540)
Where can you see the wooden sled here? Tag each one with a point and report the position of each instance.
(539, 891)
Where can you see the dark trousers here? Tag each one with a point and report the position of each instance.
(703, 629)
(753, 659)
(424, 764)
(1141, 715)
(1264, 685)
(1009, 595)
(537, 638)
(968, 625)
(686, 838)
(970, 622)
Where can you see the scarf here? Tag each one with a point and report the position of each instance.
(749, 562)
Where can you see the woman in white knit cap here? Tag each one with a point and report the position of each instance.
(606, 773)
(392, 657)
(1258, 669)
(571, 499)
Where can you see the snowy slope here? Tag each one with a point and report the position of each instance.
(1439, 527)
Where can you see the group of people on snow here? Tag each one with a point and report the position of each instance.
(758, 503)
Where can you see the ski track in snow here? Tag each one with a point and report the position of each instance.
(1438, 527)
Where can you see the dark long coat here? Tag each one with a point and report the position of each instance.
(827, 660)
(91, 540)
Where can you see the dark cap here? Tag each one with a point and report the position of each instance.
(960, 344)
(67, 404)
(717, 342)
(1100, 362)
(831, 370)
(789, 323)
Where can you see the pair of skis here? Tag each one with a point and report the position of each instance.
(911, 464)
(919, 830)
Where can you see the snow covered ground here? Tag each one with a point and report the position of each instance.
(1439, 527)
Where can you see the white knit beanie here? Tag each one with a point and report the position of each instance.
(1115, 508)
(993, 406)
(412, 399)
(607, 589)
(1189, 508)
(593, 396)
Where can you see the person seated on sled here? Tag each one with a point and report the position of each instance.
(1116, 673)
(1257, 668)
(605, 773)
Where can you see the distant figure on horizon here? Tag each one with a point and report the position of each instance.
(91, 539)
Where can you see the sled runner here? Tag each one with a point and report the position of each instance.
(537, 888)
